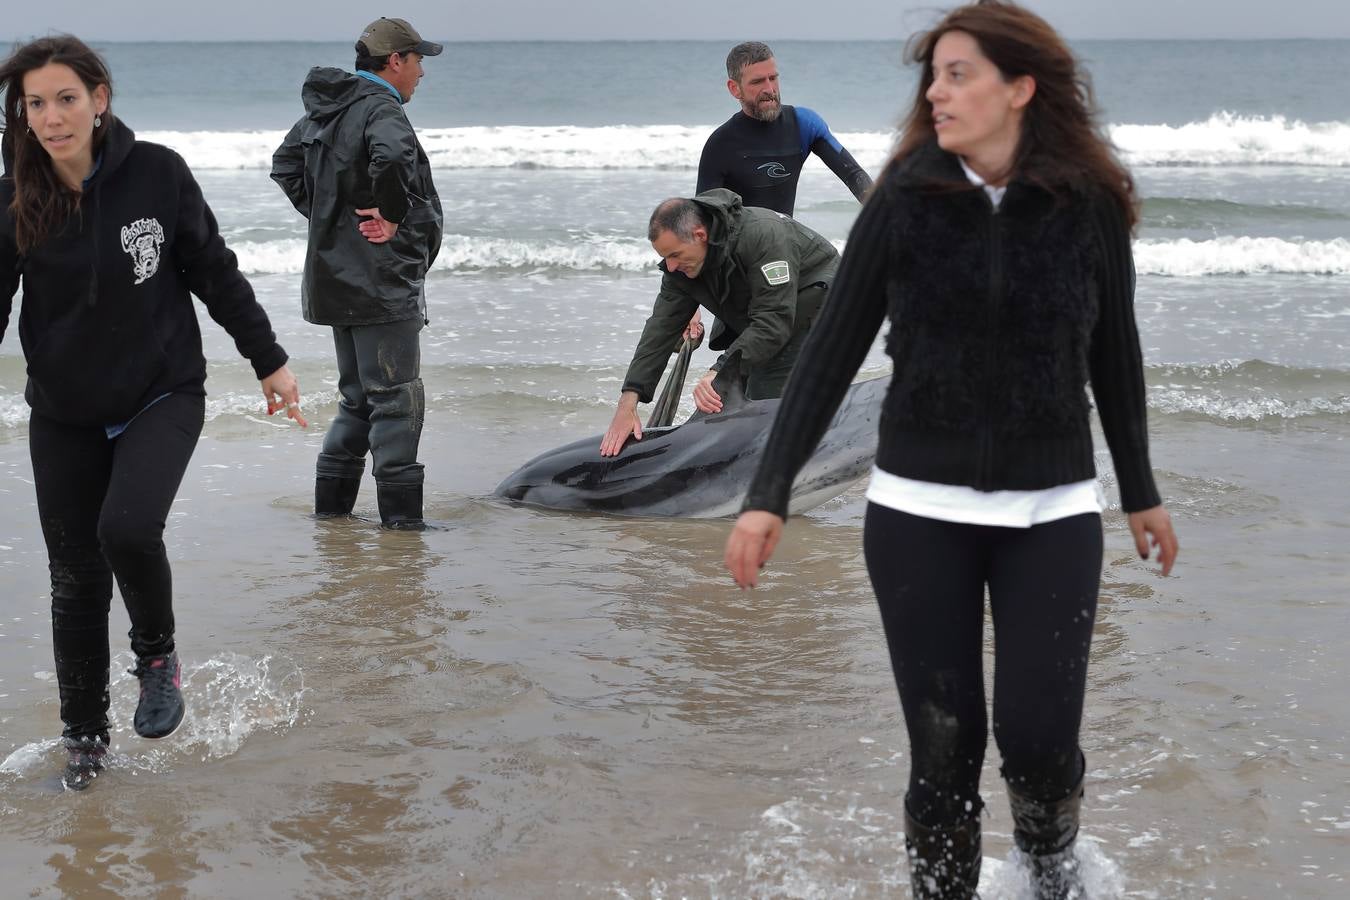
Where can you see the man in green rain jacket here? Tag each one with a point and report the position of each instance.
(764, 275)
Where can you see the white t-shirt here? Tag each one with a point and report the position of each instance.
(958, 503)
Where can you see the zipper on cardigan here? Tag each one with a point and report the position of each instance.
(985, 461)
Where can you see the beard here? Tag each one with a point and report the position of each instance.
(763, 109)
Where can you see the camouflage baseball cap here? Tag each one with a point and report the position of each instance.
(385, 36)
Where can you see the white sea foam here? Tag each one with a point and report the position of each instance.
(1256, 408)
(508, 146)
(1223, 139)
(461, 253)
(1242, 256)
(220, 149)
(1177, 258)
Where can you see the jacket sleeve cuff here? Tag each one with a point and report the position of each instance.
(769, 494)
(644, 395)
(1138, 490)
(266, 363)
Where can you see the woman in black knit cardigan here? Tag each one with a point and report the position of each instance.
(997, 241)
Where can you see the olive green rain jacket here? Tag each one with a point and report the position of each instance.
(758, 262)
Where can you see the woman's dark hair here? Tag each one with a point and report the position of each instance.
(42, 203)
(1061, 145)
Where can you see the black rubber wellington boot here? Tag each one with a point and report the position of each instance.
(944, 863)
(1046, 831)
(400, 506)
(335, 496)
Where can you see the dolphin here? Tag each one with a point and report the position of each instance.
(701, 468)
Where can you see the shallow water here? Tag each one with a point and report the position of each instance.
(523, 703)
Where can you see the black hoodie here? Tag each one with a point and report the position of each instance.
(107, 321)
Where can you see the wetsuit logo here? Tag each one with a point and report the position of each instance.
(774, 170)
(142, 240)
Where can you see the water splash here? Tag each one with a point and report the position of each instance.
(1101, 877)
(229, 697)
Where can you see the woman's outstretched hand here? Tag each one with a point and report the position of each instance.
(282, 391)
(751, 543)
(1155, 523)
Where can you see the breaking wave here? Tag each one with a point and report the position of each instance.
(1224, 139)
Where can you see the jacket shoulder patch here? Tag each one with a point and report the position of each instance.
(776, 272)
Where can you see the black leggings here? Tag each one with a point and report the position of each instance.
(930, 579)
(103, 504)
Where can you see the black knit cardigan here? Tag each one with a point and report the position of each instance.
(1000, 319)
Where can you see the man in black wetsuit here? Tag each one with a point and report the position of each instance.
(760, 151)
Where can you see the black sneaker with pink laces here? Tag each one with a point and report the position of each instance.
(161, 707)
(84, 762)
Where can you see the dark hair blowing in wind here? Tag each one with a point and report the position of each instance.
(1062, 145)
(42, 203)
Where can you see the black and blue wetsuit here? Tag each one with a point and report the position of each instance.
(762, 161)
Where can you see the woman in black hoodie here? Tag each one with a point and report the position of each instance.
(997, 241)
(109, 238)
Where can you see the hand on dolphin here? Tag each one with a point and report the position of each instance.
(626, 422)
(752, 542)
(705, 398)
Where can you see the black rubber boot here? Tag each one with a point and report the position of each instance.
(335, 496)
(1046, 831)
(161, 706)
(400, 506)
(84, 761)
(944, 863)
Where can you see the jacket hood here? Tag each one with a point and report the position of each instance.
(116, 148)
(328, 92)
(722, 208)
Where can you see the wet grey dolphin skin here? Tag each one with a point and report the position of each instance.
(701, 468)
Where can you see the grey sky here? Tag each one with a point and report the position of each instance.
(652, 19)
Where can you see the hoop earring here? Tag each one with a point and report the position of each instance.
(98, 121)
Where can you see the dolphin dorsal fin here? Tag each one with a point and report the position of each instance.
(729, 384)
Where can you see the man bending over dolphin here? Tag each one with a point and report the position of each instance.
(762, 273)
